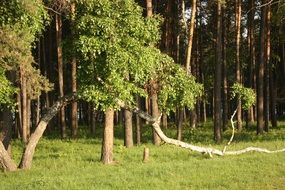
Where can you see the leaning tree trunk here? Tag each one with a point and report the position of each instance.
(5, 160)
(108, 138)
(27, 157)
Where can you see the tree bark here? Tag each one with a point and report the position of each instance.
(74, 119)
(225, 77)
(218, 78)
(138, 122)
(6, 163)
(108, 138)
(128, 141)
(179, 123)
(154, 103)
(24, 110)
(190, 36)
(155, 113)
(27, 157)
(260, 81)
(58, 21)
(267, 67)
(238, 65)
(251, 39)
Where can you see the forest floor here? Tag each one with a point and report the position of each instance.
(74, 164)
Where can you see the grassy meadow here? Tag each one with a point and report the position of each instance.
(74, 164)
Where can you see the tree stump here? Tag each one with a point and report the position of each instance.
(146, 155)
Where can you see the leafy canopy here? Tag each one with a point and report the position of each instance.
(246, 95)
(117, 57)
(20, 23)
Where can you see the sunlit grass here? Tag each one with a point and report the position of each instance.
(74, 164)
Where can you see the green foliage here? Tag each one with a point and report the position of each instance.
(118, 58)
(6, 91)
(246, 95)
(177, 88)
(20, 23)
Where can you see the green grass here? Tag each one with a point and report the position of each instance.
(74, 164)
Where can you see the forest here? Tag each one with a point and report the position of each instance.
(132, 77)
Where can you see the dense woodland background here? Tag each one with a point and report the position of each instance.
(103, 50)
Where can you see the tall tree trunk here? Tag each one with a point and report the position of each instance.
(251, 39)
(225, 78)
(193, 115)
(218, 78)
(267, 67)
(24, 110)
(128, 129)
(74, 120)
(58, 21)
(238, 65)
(154, 103)
(108, 138)
(260, 81)
(190, 36)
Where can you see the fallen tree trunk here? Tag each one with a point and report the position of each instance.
(210, 151)
(27, 157)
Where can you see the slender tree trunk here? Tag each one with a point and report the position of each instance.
(128, 129)
(267, 67)
(60, 75)
(58, 21)
(218, 78)
(108, 138)
(273, 95)
(19, 116)
(24, 111)
(154, 103)
(28, 117)
(190, 36)
(179, 124)
(164, 121)
(225, 78)
(138, 122)
(238, 66)
(74, 119)
(38, 110)
(155, 113)
(93, 116)
(251, 39)
(260, 81)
